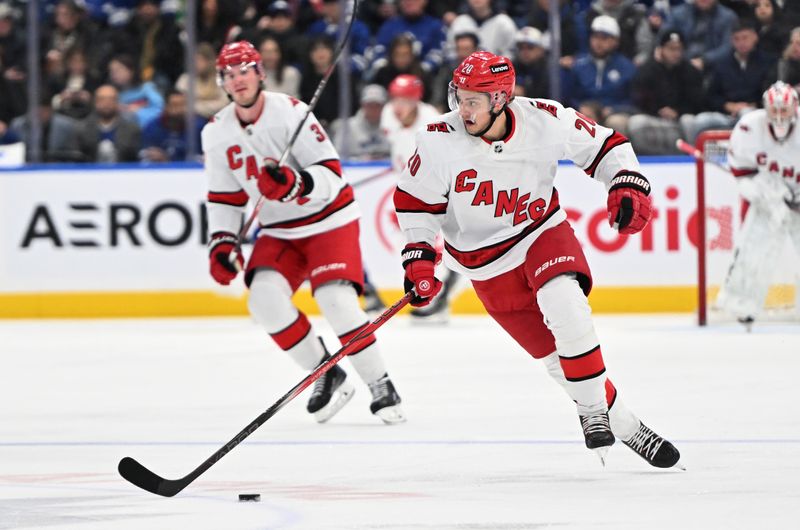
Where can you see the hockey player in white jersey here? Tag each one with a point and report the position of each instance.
(400, 120)
(483, 176)
(309, 229)
(764, 156)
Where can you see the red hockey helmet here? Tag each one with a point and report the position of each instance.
(406, 86)
(238, 53)
(484, 72)
(781, 103)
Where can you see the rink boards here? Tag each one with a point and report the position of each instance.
(131, 241)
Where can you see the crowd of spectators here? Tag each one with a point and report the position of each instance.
(114, 87)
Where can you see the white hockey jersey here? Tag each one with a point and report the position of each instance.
(491, 200)
(402, 140)
(236, 153)
(774, 167)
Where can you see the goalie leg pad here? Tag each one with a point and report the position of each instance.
(568, 317)
(338, 301)
(271, 305)
(747, 282)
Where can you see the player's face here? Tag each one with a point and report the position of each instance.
(473, 107)
(404, 110)
(243, 83)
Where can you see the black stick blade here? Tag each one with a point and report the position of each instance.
(140, 476)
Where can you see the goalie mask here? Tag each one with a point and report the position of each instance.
(490, 74)
(781, 102)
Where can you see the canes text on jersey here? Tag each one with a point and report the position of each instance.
(505, 201)
(787, 172)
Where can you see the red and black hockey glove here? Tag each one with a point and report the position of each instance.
(419, 261)
(629, 203)
(283, 183)
(220, 248)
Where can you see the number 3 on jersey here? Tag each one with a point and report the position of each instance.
(319, 135)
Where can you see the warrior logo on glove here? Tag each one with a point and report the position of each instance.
(629, 205)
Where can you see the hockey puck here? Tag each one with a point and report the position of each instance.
(253, 497)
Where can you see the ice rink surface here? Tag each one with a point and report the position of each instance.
(491, 441)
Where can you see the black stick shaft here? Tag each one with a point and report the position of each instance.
(140, 476)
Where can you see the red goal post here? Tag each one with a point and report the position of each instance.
(718, 139)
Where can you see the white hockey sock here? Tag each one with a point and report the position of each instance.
(339, 303)
(624, 423)
(271, 305)
(568, 317)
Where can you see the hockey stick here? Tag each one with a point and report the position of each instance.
(237, 250)
(691, 150)
(140, 476)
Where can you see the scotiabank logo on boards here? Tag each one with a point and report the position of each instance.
(115, 224)
(671, 228)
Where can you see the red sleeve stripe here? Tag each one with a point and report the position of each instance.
(290, 336)
(344, 199)
(361, 344)
(584, 366)
(610, 143)
(743, 172)
(231, 198)
(332, 164)
(406, 203)
(474, 259)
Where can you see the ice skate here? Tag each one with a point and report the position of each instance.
(657, 451)
(372, 301)
(597, 431)
(331, 392)
(747, 322)
(385, 401)
(437, 312)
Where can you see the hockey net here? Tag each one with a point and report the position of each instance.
(722, 212)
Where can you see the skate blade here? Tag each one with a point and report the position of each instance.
(679, 465)
(340, 397)
(391, 415)
(601, 452)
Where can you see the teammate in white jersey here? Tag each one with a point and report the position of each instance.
(403, 115)
(309, 229)
(764, 155)
(483, 176)
(400, 120)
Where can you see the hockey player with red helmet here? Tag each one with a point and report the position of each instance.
(405, 113)
(483, 177)
(308, 229)
(764, 155)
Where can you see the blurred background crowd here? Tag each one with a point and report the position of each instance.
(113, 83)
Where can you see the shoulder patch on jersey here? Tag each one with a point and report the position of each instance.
(294, 101)
(744, 127)
(441, 126)
(547, 107)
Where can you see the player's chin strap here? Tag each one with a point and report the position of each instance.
(494, 116)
